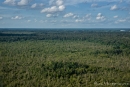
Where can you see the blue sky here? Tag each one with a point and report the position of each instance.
(64, 13)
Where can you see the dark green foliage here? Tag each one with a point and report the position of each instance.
(64, 69)
(64, 58)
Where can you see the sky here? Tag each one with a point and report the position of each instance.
(64, 13)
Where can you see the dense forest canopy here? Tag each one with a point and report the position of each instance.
(64, 57)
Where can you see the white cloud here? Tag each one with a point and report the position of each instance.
(37, 5)
(23, 2)
(52, 15)
(17, 17)
(57, 5)
(1, 18)
(79, 20)
(61, 8)
(120, 21)
(68, 15)
(11, 2)
(28, 20)
(114, 7)
(99, 14)
(115, 16)
(50, 10)
(48, 15)
(94, 5)
(88, 15)
(100, 17)
(123, 20)
(34, 5)
(59, 2)
(53, 9)
(56, 2)
(75, 16)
